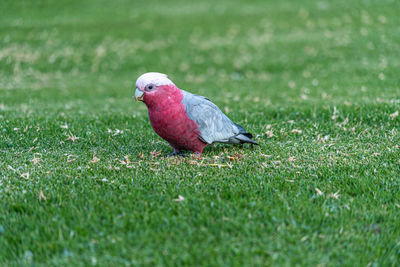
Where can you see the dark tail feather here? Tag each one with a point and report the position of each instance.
(244, 137)
(249, 135)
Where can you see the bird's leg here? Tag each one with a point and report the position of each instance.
(176, 153)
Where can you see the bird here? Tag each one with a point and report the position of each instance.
(188, 122)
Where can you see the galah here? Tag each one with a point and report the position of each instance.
(185, 120)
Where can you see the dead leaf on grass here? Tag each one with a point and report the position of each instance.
(335, 195)
(319, 192)
(394, 115)
(36, 160)
(94, 160)
(10, 168)
(179, 199)
(269, 134)
(264, 164)
(193, 162)
(234, 157)
(72, 138)
(25, 175)
(220, 165)
(42, 196)
(155, 154)
(114, 168)
(127, 160)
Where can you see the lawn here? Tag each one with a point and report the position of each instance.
(84, 180)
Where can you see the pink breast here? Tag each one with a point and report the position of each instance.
(174, 125)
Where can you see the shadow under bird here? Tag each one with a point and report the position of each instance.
(185, 120)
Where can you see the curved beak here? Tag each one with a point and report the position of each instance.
(139, 95)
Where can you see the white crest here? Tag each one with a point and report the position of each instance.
(155, 78)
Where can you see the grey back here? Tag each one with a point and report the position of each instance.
(214, 125)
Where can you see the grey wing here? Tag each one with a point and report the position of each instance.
(214, 125)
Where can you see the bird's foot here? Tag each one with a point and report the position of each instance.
(176, 153)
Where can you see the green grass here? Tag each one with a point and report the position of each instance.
(317, 82)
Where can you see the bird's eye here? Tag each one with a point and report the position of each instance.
(150, 87)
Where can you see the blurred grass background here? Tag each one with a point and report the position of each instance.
(317, 82)
(63, 47)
